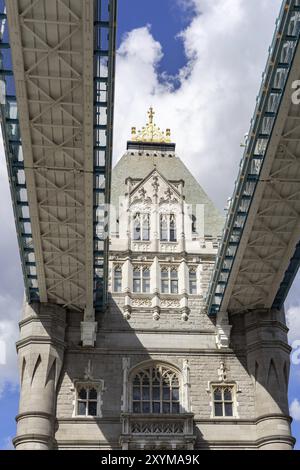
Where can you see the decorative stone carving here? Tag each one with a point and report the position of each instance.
(169, 303)
(141, 246)
(186, 386)
(185, 312)
(155, 185)
(166, 247)
(142, 197)
(142, 303)
(126, 367)
(159, 427)
(156, 314)
(222, 372)
(168, 197)
(127, 312)
(88, 333)
(223, 330)
(88, 371)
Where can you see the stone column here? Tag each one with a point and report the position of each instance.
(127, 279)
(268, 363)
(40, 350)
(181, 227)
(155, 218)
(155, 288)
(183, 278)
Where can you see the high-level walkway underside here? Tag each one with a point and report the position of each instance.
(259, 253)
(57, 113)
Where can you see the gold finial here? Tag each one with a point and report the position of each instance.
(151, 133)
(133, 133)
(151, 113)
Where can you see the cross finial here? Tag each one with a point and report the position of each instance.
(150, 132)
(151, 113)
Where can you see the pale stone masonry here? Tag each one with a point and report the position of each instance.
(232, 377)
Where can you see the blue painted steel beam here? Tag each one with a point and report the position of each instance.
(104, 76)
(288, 279)
(12, 144)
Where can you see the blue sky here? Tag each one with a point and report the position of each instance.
(167, 18)
(195, 82)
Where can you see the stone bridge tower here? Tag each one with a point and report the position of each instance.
(159, 373)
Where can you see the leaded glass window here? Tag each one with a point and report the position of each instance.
(156, 390)
(141, 227)
(169, 280)
(141, 280)
(168, 231)
(87, 401)
(192, 281)
(117, 279)
(223, 400)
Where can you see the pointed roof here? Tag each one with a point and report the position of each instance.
(139, 164)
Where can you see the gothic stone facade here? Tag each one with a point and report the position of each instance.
(162, 373)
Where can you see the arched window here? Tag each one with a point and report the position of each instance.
(117, 279)
(141, 227)
(156, 389)
(141, 279)
(192, 281)
(168, 228)
(169, 280)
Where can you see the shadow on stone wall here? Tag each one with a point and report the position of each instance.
(118, 350)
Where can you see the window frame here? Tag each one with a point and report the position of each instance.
(144, 225)
(195, 280)
(142, 279)
(120, 278)
(167, 369)
(170, 281)
(168, 220)
(98, 386)
(233, 401)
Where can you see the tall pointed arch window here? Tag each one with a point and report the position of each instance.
(168, 232)
(156, 389)
(141, 227)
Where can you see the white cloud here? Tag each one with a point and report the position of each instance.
(210, 111)
(293, 322)
(10, 309)
(295, 410)
(11, 289)
(8, 445)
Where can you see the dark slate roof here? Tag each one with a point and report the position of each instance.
(172, 168)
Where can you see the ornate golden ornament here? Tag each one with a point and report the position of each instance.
(151, 133)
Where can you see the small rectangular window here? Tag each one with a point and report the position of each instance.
(146, 286)
(174, 287)
(87, 401)
(117, 279)
(136, 285)
(193, 282)
(165, 286)
(223, 401)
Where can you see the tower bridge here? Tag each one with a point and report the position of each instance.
(116, 349)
